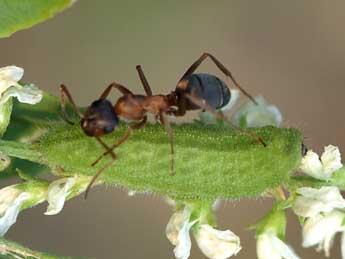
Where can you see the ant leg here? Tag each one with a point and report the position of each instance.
(219, 115)
(144, 81)
(182, 101)
(122, 139)
(169, 131)
(117, 86)
(96, 176)
(113, 156)
(64, 92)
(222, 68)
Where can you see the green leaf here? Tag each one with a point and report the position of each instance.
(210, 161)
(17, 15)
(12, 250)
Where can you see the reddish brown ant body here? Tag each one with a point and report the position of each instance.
(193, 91)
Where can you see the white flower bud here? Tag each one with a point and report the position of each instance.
(217, 244)
(312, 201)
(11, 201)
(174, 226)
(184, 244)
(269, 246)
(9, 76)
(57, 192)
(321, 229)
(324, 168)
(251, 115)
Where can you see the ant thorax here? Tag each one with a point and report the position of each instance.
(130, 107)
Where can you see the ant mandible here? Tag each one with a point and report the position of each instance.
(193, 91)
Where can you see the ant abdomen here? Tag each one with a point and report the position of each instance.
(210, 88)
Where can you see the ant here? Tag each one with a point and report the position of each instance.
(193, 91)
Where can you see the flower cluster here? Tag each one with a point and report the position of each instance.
(9, 87)
(322, 209)
(17, 197)
(214, 243)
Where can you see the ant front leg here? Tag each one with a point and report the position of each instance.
(144, 81)
(163, 119)
(221, 67)
(122, 139)
(64, 92)
(117, 86)
(113, 156)
(219, 115)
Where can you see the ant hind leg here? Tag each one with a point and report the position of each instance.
(219, 115)
(221, 67)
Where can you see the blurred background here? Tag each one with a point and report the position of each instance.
(291, 52)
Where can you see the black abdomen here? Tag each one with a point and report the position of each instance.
(210, 88)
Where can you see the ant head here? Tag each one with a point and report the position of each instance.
(99, 119)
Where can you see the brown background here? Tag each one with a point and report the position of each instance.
(292, 52)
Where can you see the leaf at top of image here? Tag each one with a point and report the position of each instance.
(17, 15)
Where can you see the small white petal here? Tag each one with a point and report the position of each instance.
(10, 215)
(331, 159)
(216, 244)
(324, 168)
(57, 193)
(314, 230)
(184, 244)
(326, 244)
(265, 248)
(284, 250)
(321, 230)
(174, 226)
(311, 165)
(270, 246)
(7, 197)
(314, 201)
(9, 76)
(260, 115)
(25, 94)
